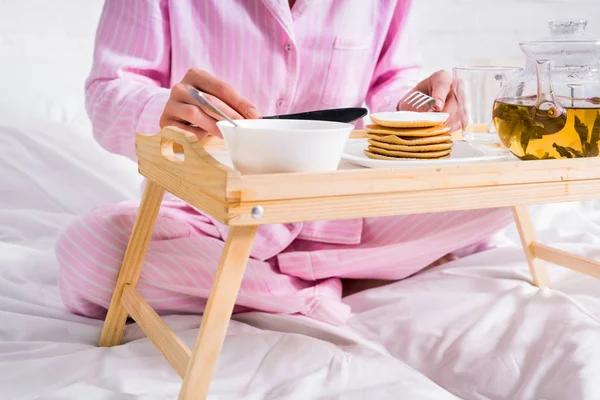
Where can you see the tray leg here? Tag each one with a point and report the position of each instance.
(114, 324)
(217, 313)
(528, 236)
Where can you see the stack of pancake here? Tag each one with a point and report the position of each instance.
(408, 135)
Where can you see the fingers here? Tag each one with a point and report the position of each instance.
(168, 119)
(230, 112)
(440, 85)
(181, 93)
(221, 90)
(183, 110)
(183, 115)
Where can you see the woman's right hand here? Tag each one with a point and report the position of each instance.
(184, 112)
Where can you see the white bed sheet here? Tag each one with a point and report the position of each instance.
(473, 329)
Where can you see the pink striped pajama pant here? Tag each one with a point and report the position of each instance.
(293, 269)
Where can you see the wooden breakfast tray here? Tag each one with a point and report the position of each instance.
(246, 201)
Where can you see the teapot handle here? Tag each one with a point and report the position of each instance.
(546, 99)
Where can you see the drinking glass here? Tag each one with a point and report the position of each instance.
(476, 89)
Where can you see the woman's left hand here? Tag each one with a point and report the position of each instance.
(440, 87)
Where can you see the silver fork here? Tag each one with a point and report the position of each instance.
(202, 99)
(419, 99)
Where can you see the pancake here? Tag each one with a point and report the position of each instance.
(409, 119)
(410, 141)
(407, 132)
(409, 154)
(380, 157)
(414, 148)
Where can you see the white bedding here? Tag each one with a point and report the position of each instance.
(473, 329)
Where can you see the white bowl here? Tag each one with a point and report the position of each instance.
(263, 146)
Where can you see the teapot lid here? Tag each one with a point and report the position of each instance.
(566, 31)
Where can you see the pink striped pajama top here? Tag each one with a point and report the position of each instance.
(319, 54)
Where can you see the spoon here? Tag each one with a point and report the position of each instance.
(202, 99)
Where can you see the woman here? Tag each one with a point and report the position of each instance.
(254, 58)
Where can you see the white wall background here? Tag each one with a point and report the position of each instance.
(467, 32)
(46, 45)
(45, 55)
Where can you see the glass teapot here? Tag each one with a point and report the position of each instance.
(552, 108)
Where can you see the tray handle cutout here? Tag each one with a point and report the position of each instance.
(167, 145)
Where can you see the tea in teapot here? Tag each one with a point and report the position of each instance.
(574, 133)
(552, 108)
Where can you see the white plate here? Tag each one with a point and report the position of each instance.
(462, 153)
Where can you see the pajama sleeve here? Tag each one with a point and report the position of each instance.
(127, 88)
(399, 67)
